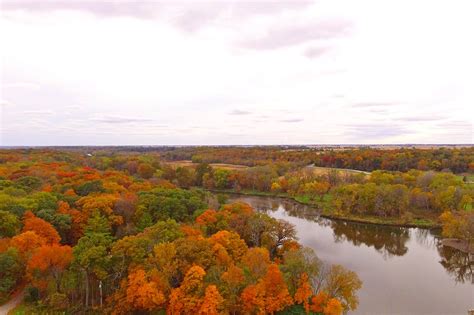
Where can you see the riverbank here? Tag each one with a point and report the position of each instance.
(325, 212)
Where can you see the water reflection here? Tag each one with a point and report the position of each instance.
(389, 242)
(458, 264)
(386, 240)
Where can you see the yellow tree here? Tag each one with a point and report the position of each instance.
(343, 284)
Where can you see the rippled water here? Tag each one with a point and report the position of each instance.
(404, 270)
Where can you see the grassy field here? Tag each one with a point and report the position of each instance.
(324, 170)
(189, 163)
(23, 309)
(469, 177)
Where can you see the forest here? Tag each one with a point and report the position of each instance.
(131, 231)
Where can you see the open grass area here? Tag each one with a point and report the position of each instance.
(324, 170)
(29, 309)
(467, 178)
(189, 163)
(23, 309)
(228, 166)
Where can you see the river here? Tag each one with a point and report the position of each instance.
(404, 270)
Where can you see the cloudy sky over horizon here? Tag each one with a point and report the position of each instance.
(236, 72)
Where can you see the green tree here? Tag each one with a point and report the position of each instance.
(60, 221)
(9, 224)
(91, 254)
(87, 188)
(297, 262)
(10, 271)
(29, 182)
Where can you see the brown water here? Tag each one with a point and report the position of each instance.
(404, 270)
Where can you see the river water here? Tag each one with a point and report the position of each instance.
(404, 270)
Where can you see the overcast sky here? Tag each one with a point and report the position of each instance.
(236, 72)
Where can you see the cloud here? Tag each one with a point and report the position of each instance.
(5, 103)
(455, 124)
(375, 131)
(110, 119)
(188, 15)
(421, 118)
(22, 85)
(295, 34)
(378, 111)
(372, 104)
(239, 112)
(314, 52)
(292, 120)
(38, 112)
(74, 107)
(104, 8)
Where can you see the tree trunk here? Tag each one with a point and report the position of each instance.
(100, 288)
(87, 289)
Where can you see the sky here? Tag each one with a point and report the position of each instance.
(236, 72)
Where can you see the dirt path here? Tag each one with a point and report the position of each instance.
(15, 300)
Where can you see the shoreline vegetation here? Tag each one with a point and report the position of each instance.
(459, 244)
(424, 223)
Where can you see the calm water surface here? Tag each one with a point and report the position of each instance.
(404, 270)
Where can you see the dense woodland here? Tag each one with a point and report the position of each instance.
(111, 234)
(457, 160)
(417, 196)
(121, 231)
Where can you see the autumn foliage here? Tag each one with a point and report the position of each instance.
(111, 232)
(41, 228)
(142, 293)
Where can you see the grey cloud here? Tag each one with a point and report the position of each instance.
(456, 124)
(378, 111)
(333, 71)
(421, 118)
(375, 131)
(314, 52)
(372, 104)
(293, 120)
(24, 85)
(38, 112)
(239, 112)
(5, 103)
(294, 34)
(187, 15)
(192, 16)
(74, 107)
(104, 8)
(120, 119)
